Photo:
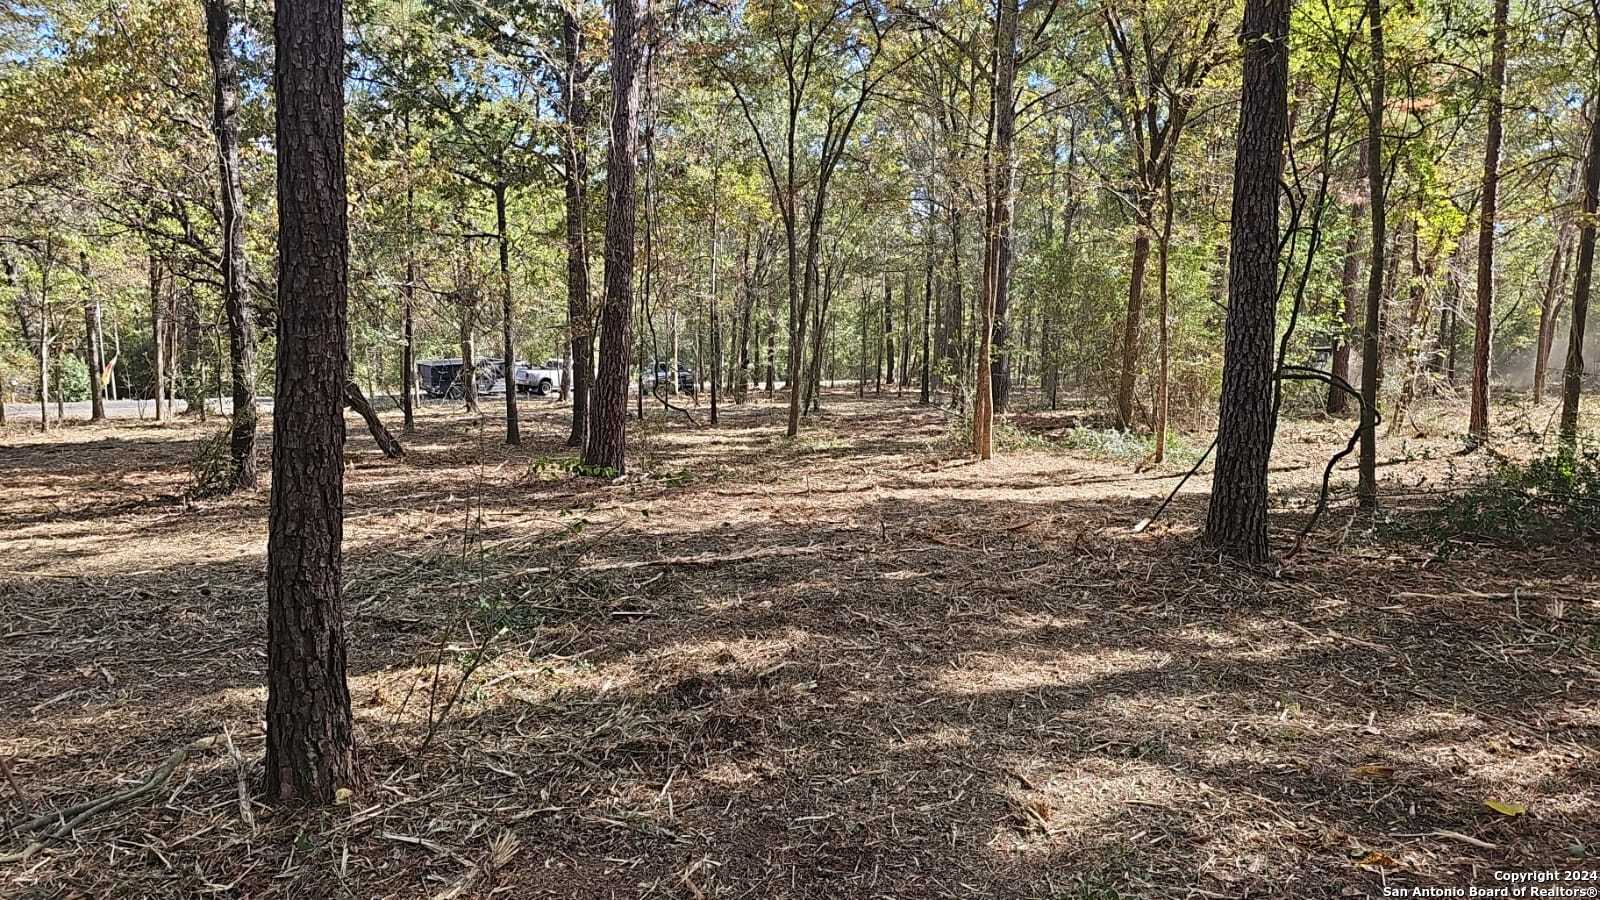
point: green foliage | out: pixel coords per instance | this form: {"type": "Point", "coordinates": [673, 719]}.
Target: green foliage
{"type": "Point", "coordinates": [70, 380]}
{"type": "Point", "coordinates": [1127, 446]}
{"type": "Point", "coordinates": [552, 468]}
{"type": "Point", "coordinates": [1552, 497]}
{"type": "Point", "coordinates": [1006, 435]}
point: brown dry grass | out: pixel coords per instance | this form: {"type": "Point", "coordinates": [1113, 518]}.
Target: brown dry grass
{"type": "Point", "coordinates": [858, 665]}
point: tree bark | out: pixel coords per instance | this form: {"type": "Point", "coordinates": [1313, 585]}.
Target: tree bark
{"type": "Point", "coordinates": [1572, 373]}
{"type": "Point", "coordinates": [1367, 480]}
{"type": "Point", "coordinates": [310, 744]}
{"type": "Point", "coordinates": [1550, 308]}
{"type": "Point", "coordinates": [507, 317]}
{"type": "Point", "coordinates": [1163, 326]}
{"type": "Point", "coordinates": [997, 234]}
{"type": "Point", "coordinates": [235, 267]}
{"type": "Point", "coordinates": [1482, 338]}
{"type": "Point", "coordinates": [408, 350]}
{"type": "Point", "coordinates": [93, 355]}
{"type": "Point", "coordinates": [607, 445]}
{"type": "Point", "coordinates": [356, 400]}
{"type": "Point", "coordinates": [1236, 523]}
{"type": "Point", "coordinates": [581, 339]}
{"type": "Point", "coordinates": [158, 342]}
{"type": "Point", "coordinates": [1350, 283]}
{"type": "Point", "coordinates": [926, 395]}
{"type": "Point", "coordinates": [44, 343]}
{"type": "Point", "coordinates": [1134, 315]}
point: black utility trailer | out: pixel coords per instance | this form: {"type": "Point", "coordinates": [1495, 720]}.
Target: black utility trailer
{"type": "Point", "coordinates": [442, 378]}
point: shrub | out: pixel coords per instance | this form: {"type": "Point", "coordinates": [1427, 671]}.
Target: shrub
{"type": "Point", "coordinates": [1550, 497]}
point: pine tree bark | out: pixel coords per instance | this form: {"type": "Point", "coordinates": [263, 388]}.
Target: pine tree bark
{"type": "Point", "coordinates": [235, 267]}
{"type": "Point", "coordinates": [1482, 339]}
{"type": "Point", "coordinates": [1236, 523]}
{"type": "Point", "coordinates": [576, 178]}
{"type": "Point", "coordinates": [1583, 276]}
{"type": "Point", "coordinates": [607, 444]}
{"type": "Point", "coordinates": [310, 744]}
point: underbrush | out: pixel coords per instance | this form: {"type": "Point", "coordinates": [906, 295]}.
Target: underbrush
{"type": "Point", "coordinates": [212, 472]}
{"type": "Point", "coordinates": [1549, 498]}
{"type": "Point", "coordinates": [1126, 446]}
{"type": "Point", "coordinates": [1007, 437]}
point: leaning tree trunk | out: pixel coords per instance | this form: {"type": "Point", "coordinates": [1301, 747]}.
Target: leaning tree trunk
{"type": "Point", "coordinates": [310, 744]}
{"type": "Point", "coordinates": [1572, 374]}
{"type": "Point", "coordinates": [356, 400]}
{"type": "Point", "coordinates": [241, 331]}
{"type": "Point", "coordinates": [581, 340]}
{"type": "Point", "coordinates": [608, 420]}
{"type": "Point", "coordinates": [1236, 523]}
{"type": "Point", "coordinates": [1478, 424]}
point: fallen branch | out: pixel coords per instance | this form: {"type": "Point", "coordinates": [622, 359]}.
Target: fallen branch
{"type": "Point", "coordinates": [82, 812]}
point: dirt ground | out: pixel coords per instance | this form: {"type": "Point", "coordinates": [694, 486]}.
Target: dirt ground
{"type": "Point", "coordinates": [857, 665]}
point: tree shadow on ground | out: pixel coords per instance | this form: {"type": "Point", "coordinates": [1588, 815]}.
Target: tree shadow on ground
{"type": "Point", "coordinates": [805, 678]}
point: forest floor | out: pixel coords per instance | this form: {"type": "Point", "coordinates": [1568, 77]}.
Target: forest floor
{"type": "Point", "coordinates": [858, 664]}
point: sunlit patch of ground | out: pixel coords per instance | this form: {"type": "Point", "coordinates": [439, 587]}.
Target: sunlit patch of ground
{"type": "Point", "coordinates": [858, 664]}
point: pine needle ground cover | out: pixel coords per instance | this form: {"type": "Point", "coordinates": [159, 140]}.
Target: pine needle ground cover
{"type": "Point", "coordinates": [852, 665]}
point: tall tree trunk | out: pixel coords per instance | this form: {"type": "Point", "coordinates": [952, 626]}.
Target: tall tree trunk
{"type": "Point", "coordinates": [310, 742]}
{"type": "Point", "coordinates": [954, 317]}
{"type": "Point", "coordinates": [716, 332]}
{"type": "Point", "coordinates": [408, 336]}
{"type": "Point", "coordinates": [1350, 295]}
{"type": "Point", "coordinates": [235, 267]}
{"type": "Point", "coordinates": [997, 235]}
{"type": "Point", "coordinates": [1163, 326]}
{"type": "Point", "coordinates": [1236, 523]}
{"type": "Point", "coordinates": [44, 342]}
{"type": "Point", "coordinates": [507, 317]}
{"type": "Point", "coordinates": [158, 331]}
{"type": "Point", "coordinates": [888, 334]}
{"type": "Point", "coordinates": [1367, 481]}
{"type": "Point", "coordinates": [1478, 425]}
{"type": "Point", "coordinates": [93, 355]}
{"type": "Point", "coordinates": [467, 310]}
{"type": "Point", "coordinates": [581, 339]}
{"type": "Point", "coordinates": [1143, 219]}
{"type": "Point", "coordinates": [1550, 308]}
{"type": "Point", "coordinates": [607, 444]}
{"type": "Point", "coordinates": [926, 395]}
{"type": "Point", "coordinates": [1572, 374]}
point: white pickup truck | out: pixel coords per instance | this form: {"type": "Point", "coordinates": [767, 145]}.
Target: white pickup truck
{"type": "Point", "coordinates": [539, 379]}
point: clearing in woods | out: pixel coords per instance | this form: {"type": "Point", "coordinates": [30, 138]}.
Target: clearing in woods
{"type": "Point", "coordinates": [857, 665]}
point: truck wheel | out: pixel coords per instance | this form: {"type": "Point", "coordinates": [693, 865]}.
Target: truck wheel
{"type": "Point", "coordinates": [544, 386]}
